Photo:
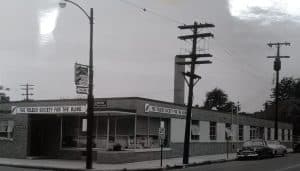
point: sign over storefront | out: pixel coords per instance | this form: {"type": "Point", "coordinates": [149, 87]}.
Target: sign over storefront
{"type": "Point", "coordinates": [158, 109]}
{"type": "Point", "coordinates": [49, 109]}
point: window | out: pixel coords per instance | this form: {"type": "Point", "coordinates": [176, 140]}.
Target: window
{"type": "Point", "coordinates": [228, 131]}
{"type": "Point", "coordinates": [252, 132]}
{"type": "Point", "coordinates": [269, 134]}
{"type": "Point", "coordinates": [195, 131]}
{"type": "Point", "coordinates": [6, 129]}
{"type": "Point", "coordinates": [260, 132]}
{"type": "Point", "coordinates": [282, 135]}
{"type": "Point", "coordinates": [241, 132]}
{"type": "Point", "coordinates": [289, 135]}
{"type": "Point", "coordinates": [212, 130]}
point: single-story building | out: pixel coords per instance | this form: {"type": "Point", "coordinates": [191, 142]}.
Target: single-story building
{"type": "Point", "coordinates": [57, 129]}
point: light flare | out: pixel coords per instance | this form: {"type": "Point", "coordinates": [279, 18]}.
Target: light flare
{"type": "Point", "coordinates": [47, 24]}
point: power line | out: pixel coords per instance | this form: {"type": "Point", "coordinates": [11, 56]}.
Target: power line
{"type": "Point", "coordinates": [28, 87]}
{"type": "Point", "coordinates": [143, 9]}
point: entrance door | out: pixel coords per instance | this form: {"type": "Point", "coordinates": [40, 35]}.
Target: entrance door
{"type": "Point", "coordinates": [44, 135]}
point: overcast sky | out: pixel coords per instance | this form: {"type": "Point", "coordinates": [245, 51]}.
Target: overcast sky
{"type": "Point", "coordinates": [134, 49]}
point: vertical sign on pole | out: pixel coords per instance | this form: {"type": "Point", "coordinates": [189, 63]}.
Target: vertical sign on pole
{"type": "Point", "coordinates": [81, 78]}
{"type": "Point", "coordinates": [162, 136]}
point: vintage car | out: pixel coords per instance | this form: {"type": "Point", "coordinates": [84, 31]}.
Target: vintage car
{"type": "Point", "coordinates": [277, 148]}
{"type": "Point", "coordinates": [255, 149]}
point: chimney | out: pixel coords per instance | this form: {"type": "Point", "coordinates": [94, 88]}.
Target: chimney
{"type": "Point", "coordinates": [179, 82]}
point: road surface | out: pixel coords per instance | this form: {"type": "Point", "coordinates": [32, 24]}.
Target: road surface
{"type": "Point", "coordinates": [291, 162]}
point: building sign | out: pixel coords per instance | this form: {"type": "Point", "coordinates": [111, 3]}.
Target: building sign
{"type": "Point", "coordinates": [100, 104]}
{"type": "Point", "coordinates": [157, 109]}
{"type": "Point", "coordinates": [49, 109]}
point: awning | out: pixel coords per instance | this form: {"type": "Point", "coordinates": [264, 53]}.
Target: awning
{"type": "Point", "coordinates": [115, 112]}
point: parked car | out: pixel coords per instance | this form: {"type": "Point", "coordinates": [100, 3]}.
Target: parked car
{"type": "Point", "coordinates": [255, 149]}
{"type": "Point", "coordinates": [277, 148]}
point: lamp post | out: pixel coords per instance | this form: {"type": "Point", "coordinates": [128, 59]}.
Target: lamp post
{"type": "Point", "coordinates": [90, 98]}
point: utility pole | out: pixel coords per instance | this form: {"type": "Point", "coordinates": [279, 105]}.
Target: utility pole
{"type": "Point", "coordinates": [277, 67]}
{"type": "Point", "coordinates": [28, 87]}
{"type": "Point", "coordinates": [192, 76]}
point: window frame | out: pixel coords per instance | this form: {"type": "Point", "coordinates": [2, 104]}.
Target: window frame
{"type": "Point", "coordinates": [282, 134]}
{"type": "Point", "coordinates": [195, 137]}
{"type": "Point", "coordinates": [213, 130]}
{"type": "Point", "coordinates": [253, 130]}
{"type": "Point", "coordinates": [7, 129]}
{"type": "Point", "coordinates": [241, 132]}
{"type": "Point", "coordinates": [268, 133]}
{"type": "Point", "coordinates": [228, 126]}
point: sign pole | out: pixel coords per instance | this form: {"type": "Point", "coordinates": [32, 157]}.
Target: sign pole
{"type": "Point", "coordinates": [161, 153]}
{"type": "Point", "coordinates": [162, 135]}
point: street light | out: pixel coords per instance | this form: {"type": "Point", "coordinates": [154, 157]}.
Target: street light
{"type": "Point", "coordinates": [90, 98]}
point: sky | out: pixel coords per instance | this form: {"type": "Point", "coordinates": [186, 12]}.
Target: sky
{"type": "Point", "coordinates": [134, 49]}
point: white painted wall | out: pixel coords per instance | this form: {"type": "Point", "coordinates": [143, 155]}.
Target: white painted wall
{"type": "Point", "coordinates": [177, 130]}
{"type": "Point", "coordinates": [221, 132]}
{"type": "Point", "coordinates": [204, 131]}
{"type": "Point", "coordinates": [272, 133]}
{"type": "Point", "coordinates": [246, 132]}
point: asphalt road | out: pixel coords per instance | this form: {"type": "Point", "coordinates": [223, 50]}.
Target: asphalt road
{"type": "Point", "coordinates": [291, 162]}
{"type": "Point", "coordinates": [5, 168]}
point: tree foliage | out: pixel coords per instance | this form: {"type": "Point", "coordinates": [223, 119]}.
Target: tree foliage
{"type": "Point", "coordinates": [218, 99]}
{"type": "Point", "coordinates": [288, 88]}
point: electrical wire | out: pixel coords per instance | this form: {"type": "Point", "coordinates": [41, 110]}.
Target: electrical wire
{"type": "Point", "coordinates": [147, 10]}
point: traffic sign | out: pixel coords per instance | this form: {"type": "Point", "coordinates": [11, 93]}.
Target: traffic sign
{"type": "Point", "coordinates": [162, 133]}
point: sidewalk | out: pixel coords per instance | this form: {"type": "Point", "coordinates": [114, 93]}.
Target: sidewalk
{"type": "Point", "coordinates": [57, 164]}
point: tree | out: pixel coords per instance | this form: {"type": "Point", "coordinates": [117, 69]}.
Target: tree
{"type": "Point", "coordinates": [3, 98]}
{"type": "Point", "coordinates": [286, 89]}
{"type": "Point", "coordinates": [218, 99]}
{"type": "Point", "coordinates": [229, 107]}
{"type": "Point", "coordinates": [215, 98]}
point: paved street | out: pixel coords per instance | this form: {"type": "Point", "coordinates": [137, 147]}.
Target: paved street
{"type": "Point", "coordinates": [4, 168]}
{"type": "Point", "coordinates": [289, 163]}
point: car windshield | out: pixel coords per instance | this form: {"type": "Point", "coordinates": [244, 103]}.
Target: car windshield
{"type": "Point", "coordinates": [253, 143]}
{"type": "Point", "coordinates": [273, 142]}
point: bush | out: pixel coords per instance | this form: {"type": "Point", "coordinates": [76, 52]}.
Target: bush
{"type": "Point", "coordinates": [117, 147]}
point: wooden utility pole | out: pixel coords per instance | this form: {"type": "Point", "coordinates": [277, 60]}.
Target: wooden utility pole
{"type": "Point", "coordinates": [277, 67]}
{"type": "Point", "coordinates": [27, 88]}
{"type": "Point", "coordinates": [192, 76]}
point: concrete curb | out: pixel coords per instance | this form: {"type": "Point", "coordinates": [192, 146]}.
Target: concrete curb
{"type": "Point", "coordinates": [41, 167]}
{"type": "Point", "coordinates": [168, 167]}
{"type": "Point", "coordinates": [200, 163]}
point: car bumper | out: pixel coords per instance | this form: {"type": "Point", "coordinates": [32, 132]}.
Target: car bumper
{"type": "Point", "coordinates": [246, 155]}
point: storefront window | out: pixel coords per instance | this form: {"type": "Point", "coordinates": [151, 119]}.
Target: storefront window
{"type": "Point", "coordinates": [241, 132]}
{"type": "Point", "coordinates": [228, 131]}
{"type": "Point", "coordinates": [282, 135]}
{"type": "Point", "coordinates": [213, 130]}
{"type": "Point", "coordinates": [195, 131]}
{"type": "Point", "coordinates": [73, 132]}
{"type": "Point", "coordinates": [253, 132]}
{"type": "Point", "coordinates": [6, 129]}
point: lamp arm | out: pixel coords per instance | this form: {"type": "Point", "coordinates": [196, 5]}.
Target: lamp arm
{"type": "Point", "coordinates": [85, 13]}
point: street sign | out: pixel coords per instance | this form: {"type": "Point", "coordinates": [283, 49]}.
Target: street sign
{"type": "Point", "coordinates": [81, 78]}
{"type": "Point", "coordinates": [81, 75]}
{"type": "Point", "coordinates": [81, 90]}
{"type": "Point", "coordinates": [100, 104]}
{"type": "Point", "coordinates": [162, 133]}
